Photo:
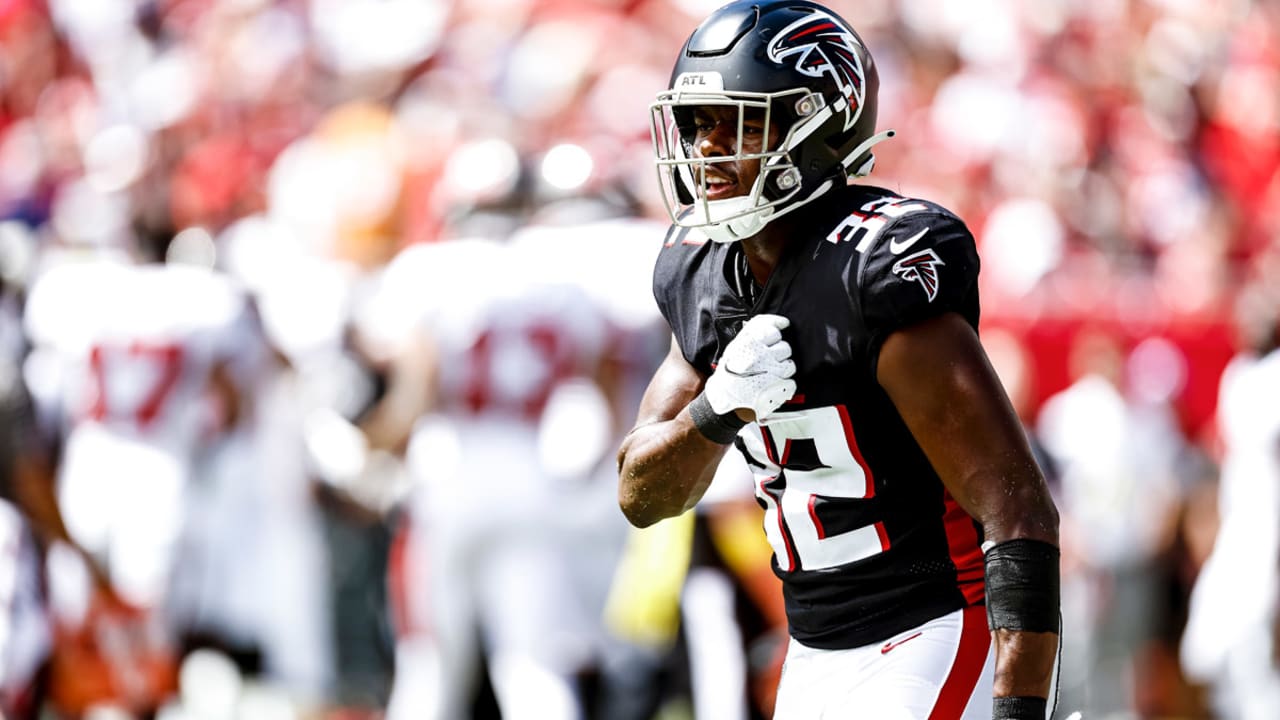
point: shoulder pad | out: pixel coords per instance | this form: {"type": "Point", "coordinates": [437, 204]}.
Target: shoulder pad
{"type": "Point", "coordinates": [920, 264]}
{"type": "Point", "coordinates": [685, 236]}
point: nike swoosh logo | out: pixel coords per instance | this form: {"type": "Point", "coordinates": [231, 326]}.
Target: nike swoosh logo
{"type": "Point", "coordinates": [884, 650]}
{"type": "Point", "coordinates": [896, 247]}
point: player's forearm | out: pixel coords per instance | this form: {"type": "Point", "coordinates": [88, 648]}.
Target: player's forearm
{"type": "Point", "coordinates": [1023, 600]}
{"type": "Point", "coordinates": [1024, 663]}
{"type": "Point", "coordinates": [664, 468]}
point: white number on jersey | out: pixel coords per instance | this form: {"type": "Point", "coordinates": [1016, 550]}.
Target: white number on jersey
{"type": "Point", "coordinates": [791, 487]}
{"type": "Point", "coordinates": [866, 222]}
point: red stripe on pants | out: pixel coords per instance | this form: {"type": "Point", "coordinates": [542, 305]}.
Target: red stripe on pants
{"type": "Point", "coordinates": [975, 642]}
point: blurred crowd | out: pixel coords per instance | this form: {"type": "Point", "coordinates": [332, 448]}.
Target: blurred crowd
{"type": "Point", "coordinates": [320, 321]}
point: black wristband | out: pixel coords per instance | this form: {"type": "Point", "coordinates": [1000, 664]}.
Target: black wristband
{"type": "Point", "coordinates": [721, 429]}
{"type": "Point", "coordinates": [1019, 708]}
{"type": "Point", "coordinates": [1023, 586]}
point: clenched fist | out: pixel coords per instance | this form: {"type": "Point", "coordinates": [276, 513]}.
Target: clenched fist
{"type": "Point", "coordinates": [755, 371]}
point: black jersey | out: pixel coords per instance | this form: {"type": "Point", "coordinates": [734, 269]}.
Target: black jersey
{"type": "Point", "coordinates": [866, 539]}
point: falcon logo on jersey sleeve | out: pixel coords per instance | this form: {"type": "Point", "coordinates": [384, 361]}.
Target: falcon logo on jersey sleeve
{"type": "Point", "coordinates": [823, 46]}
{"type": "Point", "coordinates": [921, 267]}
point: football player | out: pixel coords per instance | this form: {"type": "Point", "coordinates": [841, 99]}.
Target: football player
{"type": "Point", "coordinates": [146, 365]}
{"type": "Point", "coordinates": [1231, 643]}
{"type": "Point", "coordinates": [496, 399]}
{"type": "Point", "coordinates": [837, 349]}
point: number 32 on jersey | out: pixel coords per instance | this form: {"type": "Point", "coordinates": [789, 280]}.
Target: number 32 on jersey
{"type": "Point", "coordinates": [802, 461]}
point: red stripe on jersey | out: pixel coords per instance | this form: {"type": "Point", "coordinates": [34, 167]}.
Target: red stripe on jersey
{"type": "Point", "coordinates": [883, 535]}
{"type": "Point", "coordinates": [771, 452]}
{"type": "Point", "coordinates": [966, 668]}
{"type": "Point", "coordinates": [813, 515]}
{"type": "Point", "coordinates": [671, 240]}
{"type": "Point", "coordinates": [98, 410]}
{"type": "Point", "coordinates": [857, 454]}
{"type": "Point", "coordinates": [965, 550]}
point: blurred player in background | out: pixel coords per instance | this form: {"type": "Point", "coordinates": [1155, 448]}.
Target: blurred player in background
{"type": "Point", "coordinates": [1118, 456]}
{"type": "Point", "coordinates": [143, 364]}
{"type": "Point", "coordinates": [1232, 638]}
{"type": "Point", "coordinates": [732, 608]}
{"type": "Point", "coordinates": [836, 347]}
{"type": "Point", "coordinates": [504, 396]}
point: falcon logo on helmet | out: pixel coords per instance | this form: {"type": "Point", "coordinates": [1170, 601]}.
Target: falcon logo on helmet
{"type": "Point", "coordinates": [922, 267]}
{"type": "Point", "coordinates": [823, 46]}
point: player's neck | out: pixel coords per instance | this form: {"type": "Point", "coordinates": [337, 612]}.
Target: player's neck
{"type": "Point", "coordinates": [762, 252]}
{"type": "Point", "coordinates": [764, 249]}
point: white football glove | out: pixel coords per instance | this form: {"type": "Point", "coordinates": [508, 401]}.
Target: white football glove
{"type": "Point", "coordinates": [755, 371]}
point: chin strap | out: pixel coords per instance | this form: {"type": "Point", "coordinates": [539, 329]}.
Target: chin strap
{"type": "Point", "coordinates": [744, 226]}
{"type": "Point", "coordinates": [865, 168]}
{"type": "Point", "coordinates": [750, 224]}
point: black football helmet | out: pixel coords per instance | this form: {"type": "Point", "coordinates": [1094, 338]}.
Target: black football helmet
{"type": "Point", "coordinates": [809, 74]}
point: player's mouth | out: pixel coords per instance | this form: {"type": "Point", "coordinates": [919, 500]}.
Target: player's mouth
{"type": "Point", "coordinates": [720, 186]}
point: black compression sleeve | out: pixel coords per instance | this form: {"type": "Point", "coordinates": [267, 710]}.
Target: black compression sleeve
{"type": "Point", "coordinates": [1023, 586]}
{"type": "Point", "coordinates": [1019, 708]}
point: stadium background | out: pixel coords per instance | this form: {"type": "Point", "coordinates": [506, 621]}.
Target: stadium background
{"type": "Point", "coordinates": [1117, 160]}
